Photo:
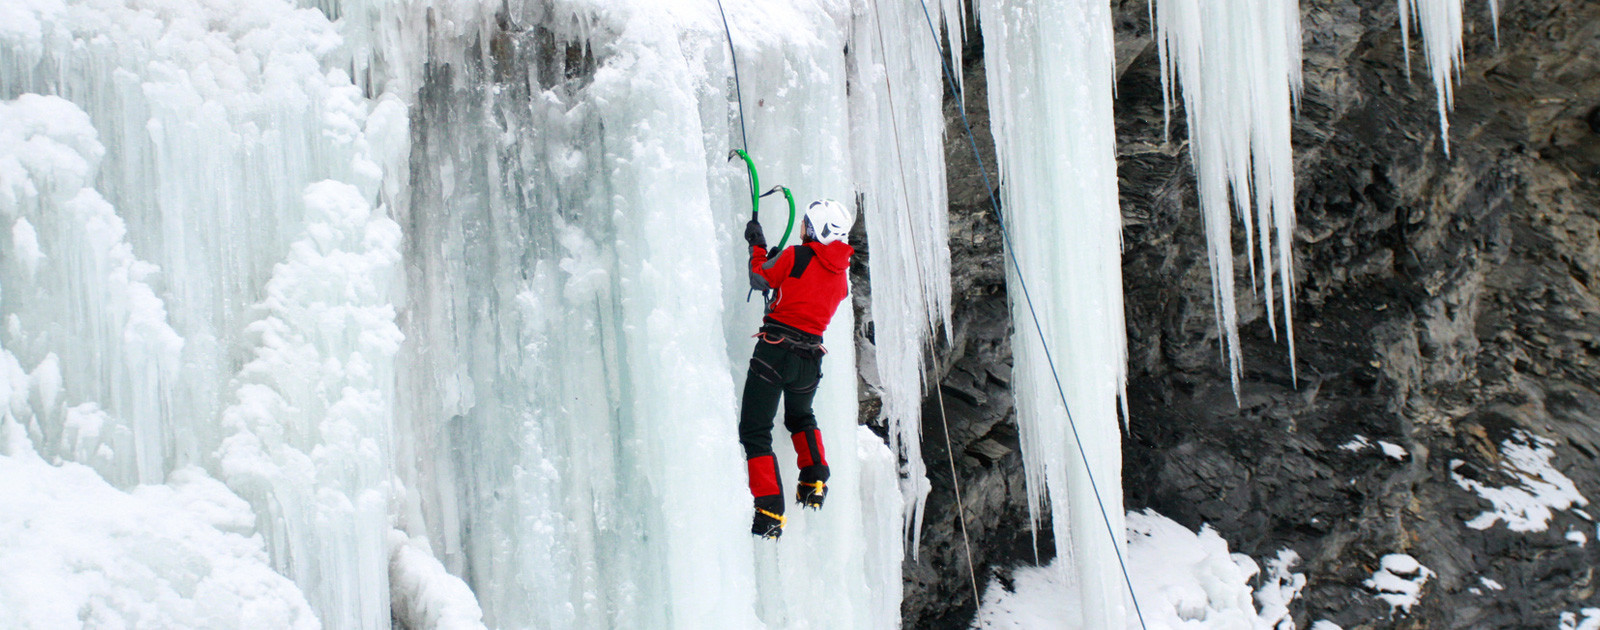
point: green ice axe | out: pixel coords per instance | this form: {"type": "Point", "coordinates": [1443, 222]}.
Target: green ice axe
{"type": "Point", "coordinates": [790, 196]}
{"type": "Point", "coordinates": [755, 180]}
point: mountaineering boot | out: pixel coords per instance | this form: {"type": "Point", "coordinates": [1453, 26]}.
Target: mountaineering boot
{"type": "Point", "coordinates": [768, 493]}
{"type": "Point", "coordinates": [813, 486]}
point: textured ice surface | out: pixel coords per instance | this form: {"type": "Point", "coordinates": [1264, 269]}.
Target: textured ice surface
{"type": "Point", "coordinates": [1050, 81]}
{"type": "Point", "coordinates": [897, 146]}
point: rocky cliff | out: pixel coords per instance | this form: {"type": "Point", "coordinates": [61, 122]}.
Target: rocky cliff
{"type": "Point", "coordinates": [1447, 305]}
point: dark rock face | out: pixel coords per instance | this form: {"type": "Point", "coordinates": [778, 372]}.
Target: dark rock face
{"type": "Point", "coordinates": [1445, 304]}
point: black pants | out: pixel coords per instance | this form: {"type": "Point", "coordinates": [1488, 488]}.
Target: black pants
{"type": "Point", "coordinates": [775, 372]}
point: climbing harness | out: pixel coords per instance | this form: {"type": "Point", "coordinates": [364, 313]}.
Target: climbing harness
{"type": "Point", "coordinates": [798, 342]}
{"type": "Point", "coordinates": [1005, 234]}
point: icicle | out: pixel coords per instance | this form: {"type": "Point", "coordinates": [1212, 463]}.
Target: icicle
{"type": "Point", "coordinates": [897, 146]}
{"type": "Point", "coordinates": [1050, 71]}
{"type": "Point", "coordinates": [1239, 67]}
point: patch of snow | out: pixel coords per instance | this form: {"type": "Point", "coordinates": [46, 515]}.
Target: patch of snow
{"type": "Point", "coordinates": [1356, 443]}
{"type": "Point", "coordinates": [1183, 579]}
{"type": "Point", "coordinates": [1578, 537]}
{"type": "Point", "coordinates": [1325, 625]}
{"type": "Point", "coordinates": [1590, 621]}
{"type": "Point", "coordinates": [77, 552]}
{"type": "Point", "coordinates": [1392, 450]}
{"type": "Point", "coordinates": [1491, 584]}
{"type": "Point", "coordinates": [1540, 488]}
{"type": "Point", "coordinates": [1399, 581]}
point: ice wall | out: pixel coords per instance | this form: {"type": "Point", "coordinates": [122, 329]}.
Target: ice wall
{"type": "Point", "coordinates": [1050, 73]}
{"type": "Point", "coordinates": [75, 550]}
{"type": "Point", "coordinates": [1238, 64]}
{"type": "Point", "coordinates": [577, 299]}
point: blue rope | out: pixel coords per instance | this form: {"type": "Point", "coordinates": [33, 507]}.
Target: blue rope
{"type": "Point", "coordinates": [1005, 234]}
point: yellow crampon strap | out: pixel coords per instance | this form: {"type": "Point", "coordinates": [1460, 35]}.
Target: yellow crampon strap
{"type": "Point", "coordinates": [781, 522]}
{"type": "Point", "coordinates": [820, 486]}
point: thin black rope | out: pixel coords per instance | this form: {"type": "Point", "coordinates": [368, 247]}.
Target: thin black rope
{"type": "Point", "coordinates": [744, 137]}
{"type": "Point", "coordinates": [1005, 234]}
{"type": "Point", "coordinates": [905, 195]}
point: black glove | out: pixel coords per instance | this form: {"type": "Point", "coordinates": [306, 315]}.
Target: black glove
{"type": "Point", "coordinates": [753, 234]}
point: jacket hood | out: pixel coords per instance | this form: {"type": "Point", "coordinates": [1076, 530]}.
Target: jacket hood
{"type": "Point", "coordinates": [834, 256]}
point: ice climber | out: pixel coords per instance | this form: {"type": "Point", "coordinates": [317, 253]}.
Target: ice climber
{"type": "Point", "coordinates": [808, 282]}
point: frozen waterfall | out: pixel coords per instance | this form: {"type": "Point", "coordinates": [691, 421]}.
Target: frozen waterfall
{"type": "Point", "coordinates": [452, 298]}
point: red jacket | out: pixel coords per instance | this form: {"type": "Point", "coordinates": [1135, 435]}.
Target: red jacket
{"type": "Point", "coordinates": [808, 291]}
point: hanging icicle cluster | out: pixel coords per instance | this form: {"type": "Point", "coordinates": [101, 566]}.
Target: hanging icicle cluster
{"type": "Point", "coordinates": [1441, 26]}
{"type": "Point", "coordinates": [1239, 66]}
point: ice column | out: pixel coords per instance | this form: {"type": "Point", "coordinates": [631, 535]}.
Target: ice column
{"type": "Point", "coordinates": [897, 145]}
{"type": "Point", "coordinates": [1050, 69]}
{"type": "Point", "coordinates": [1239, 66]}
{"type": "Point", "coordinates": [1441, 25]}
{"type": "Point", "coordinates": [78, 303]}
{"type": "Point", "coordinates": [311, 443]}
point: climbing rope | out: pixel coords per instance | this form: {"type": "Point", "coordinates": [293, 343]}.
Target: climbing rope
{"type": "Point", "coordinates": [1005, 233]}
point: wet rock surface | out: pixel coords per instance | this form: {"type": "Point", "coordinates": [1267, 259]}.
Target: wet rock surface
{"type": "Point", "coordinates": [1446, 305]}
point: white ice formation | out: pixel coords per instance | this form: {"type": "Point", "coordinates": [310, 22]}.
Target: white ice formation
{"type": "Point", "coordinates": [897, 148]}
{"type": "Point", "coordinates": [1238, 64]}
{"type": "Point", "coordinates": [1050, 68]}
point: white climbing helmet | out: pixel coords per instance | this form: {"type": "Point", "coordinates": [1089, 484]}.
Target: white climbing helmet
{"type": "Point", "coordinates": [828, 221]}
